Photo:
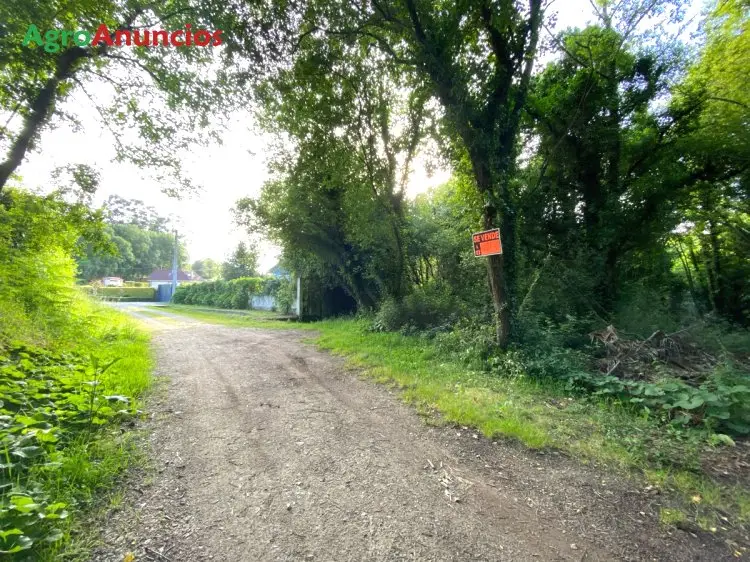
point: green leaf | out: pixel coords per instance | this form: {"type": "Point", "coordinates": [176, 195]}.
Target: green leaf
{"type": "Point", "coordinates": [691, 403]}
{"type": "Point", "coordinates": [653, 390]}
{"type": "Point", "coordinates": [53, 536]}
{"type": "Point", "coordinates": [742, 428]}
{"type": "Point", "coordinates": [10, 533]}
{"type": "Point", "coordinates": [27, 452]}
{"type": "Point", "coordinates": [24, 504]}
{"type": "Point", "coordinates": [722, 439]}
{"type": "Point", "coordinates": [22, 542]}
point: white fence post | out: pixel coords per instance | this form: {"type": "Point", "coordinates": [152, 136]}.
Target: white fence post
{"type": "Point", "coordinates": [299, 297]}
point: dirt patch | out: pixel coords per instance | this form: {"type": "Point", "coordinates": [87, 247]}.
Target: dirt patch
{"type": "Point", "coordinates": [266, 449]}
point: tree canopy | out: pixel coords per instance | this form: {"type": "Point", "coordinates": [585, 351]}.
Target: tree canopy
{"type": "Point", "coordinates": [154, 101]}
{"type": "Point", "coordinates": [595, 163]}
{"type": "Point", "coordinates": [242, 263]}
{"type": "Point", "coordinates": [207, 268]}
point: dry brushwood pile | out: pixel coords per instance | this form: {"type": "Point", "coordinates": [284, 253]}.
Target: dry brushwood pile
{"type": "Point", "coordinates": [675, 355]}
{"type": "Point", "coordinates": [674, 376]}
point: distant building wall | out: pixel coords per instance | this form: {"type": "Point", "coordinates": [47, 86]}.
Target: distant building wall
{"type": "Point", "coordinates": [263, 302]}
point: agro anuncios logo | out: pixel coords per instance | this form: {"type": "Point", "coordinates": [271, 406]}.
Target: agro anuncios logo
{"type": "Point", "coordinates": [54, 39]}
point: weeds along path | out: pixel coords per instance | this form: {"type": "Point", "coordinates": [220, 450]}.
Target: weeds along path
{"type": "Point", "coordinates": [266, 449]}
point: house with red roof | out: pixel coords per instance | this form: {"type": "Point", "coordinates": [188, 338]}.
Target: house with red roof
{"type": "Point", "coordinates": [164, 277]}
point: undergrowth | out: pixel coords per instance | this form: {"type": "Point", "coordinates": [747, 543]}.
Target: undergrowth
{"type": "Point", "coordinates": [71, 372]}
{"type": "Point", "coordinates": [63, 401]}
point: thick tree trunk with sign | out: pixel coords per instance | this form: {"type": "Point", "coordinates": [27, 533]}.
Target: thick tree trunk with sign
{"type": "Point", "coordinates": [485, 117]}
{"type": "Point", "coordinates": [497, 279]}
{"type": "Point", "coordinates": [500, 268]}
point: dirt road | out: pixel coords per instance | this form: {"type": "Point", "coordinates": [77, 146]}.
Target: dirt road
{"type": "Point", "coordinates": [266, 449]}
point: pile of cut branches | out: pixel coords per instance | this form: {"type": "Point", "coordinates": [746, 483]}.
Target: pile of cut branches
{"type": "Point", "coordinates": [636, 359]}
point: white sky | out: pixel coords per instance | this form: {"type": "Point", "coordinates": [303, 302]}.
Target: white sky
{"type": "Point", "coordinates": [235, 169]}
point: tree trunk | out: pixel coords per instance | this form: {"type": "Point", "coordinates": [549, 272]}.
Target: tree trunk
{"type": "Point", "coordinates": [719, 288]}
{"type": "Point", "coordinates": [40, 109]}
{"type": "Point", "coordinates": [398, 289]}
{"type": "Point", "coordinates": [496, 265]}
{"type": "Point", "coordinates": [689, 277]}
{"type": "Point", "coordinates": [496, 274]}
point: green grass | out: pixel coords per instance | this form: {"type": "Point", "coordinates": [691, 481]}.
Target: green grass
{"type": "Point", "coordinates": [152, 314]}
{"type": "Point", "coordinates": [140, 293]}
{"type": "Point", "coordinates": [244, 318]}
{"type": "Point", "coordinates": [538, 414]}
{"type": "Point", "coordinates": [80, 470]}
{"type": "Point", "coordinates": [671, 516]}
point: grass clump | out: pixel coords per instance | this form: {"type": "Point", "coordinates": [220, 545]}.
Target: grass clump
{"type": "Point", "coordinates": [671, 516]}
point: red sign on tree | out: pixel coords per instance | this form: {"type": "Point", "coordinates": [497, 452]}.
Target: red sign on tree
{"type": "Point", "coordinates": [487, 243]}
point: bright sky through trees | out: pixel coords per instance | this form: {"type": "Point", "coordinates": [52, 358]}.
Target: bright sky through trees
{"type": "Point", "coordinates": [226, 173]}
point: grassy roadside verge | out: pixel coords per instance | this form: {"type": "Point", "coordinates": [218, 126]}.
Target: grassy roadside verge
{"type": "Point", "coordinates": [538, 414]}
{"type": "Point", "coordinates": [244, 318]}
{"type": "Point", "coordinates": [67, 399]}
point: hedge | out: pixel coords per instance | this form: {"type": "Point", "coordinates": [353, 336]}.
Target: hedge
{"type": "Point", "coordinates": [234, 294]}
{"type": "Point", "coordinates": [132, 294]}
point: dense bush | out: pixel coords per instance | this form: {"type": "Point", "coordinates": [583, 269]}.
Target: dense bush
{"type": "Point", "coordinates": [271, 286]}
{"type": "Point", "coordinates": [556, 352]}
{"type": "Point", "coordinates": [429, 307]}
{"type": "Point", "coordinates": [133, 294]}
{"type": "Point", "coordinates": [473, 343]}
{"type": "Point", "coordinates": [722, 402]}
{"type": "Point", "coordinates": [49, 400]}
{"type": "Point", "coordinates": [285, 293]}
{"type": "Point", "coordinates": [234, 294]}
{"type": "Point", "coordinates": [36, 277]}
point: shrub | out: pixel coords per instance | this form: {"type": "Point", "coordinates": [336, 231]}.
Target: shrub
{"type": "Point", "coordinates": [70, 371]}
{"type": "Point", "coordinates": [390, 317]}
{"type": "Point", "coordinates": [234, 294]}
{"type": "Point", "coordinates": [432, 306]}
{"type": "Point", "coordinates": [38, 236]}
{"type": "Point", "coordinates": [722, 402]}
{"type": "Point", "coordinates": [285, 295]}
{"type": "Point", "coordinates": [473, 343]}
{"type": "Point", "coordinates": [271, 285]}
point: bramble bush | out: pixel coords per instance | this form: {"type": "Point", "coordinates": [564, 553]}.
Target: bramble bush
{"type": "Point", "coordinates": [721, 403]}
{"type": "Point", "coordinates": [557, 352]}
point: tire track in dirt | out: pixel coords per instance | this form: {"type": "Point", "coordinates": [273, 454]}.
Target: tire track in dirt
{"type": "Point", "coordinates": [266, 449]}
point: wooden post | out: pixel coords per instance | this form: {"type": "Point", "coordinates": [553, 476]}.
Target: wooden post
{"type": "Point", "coordinates": [299, 297]}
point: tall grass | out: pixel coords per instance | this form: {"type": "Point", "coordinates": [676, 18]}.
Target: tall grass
{"type": "Point", "coordinates": [83, 412]}
{"type": "Point", "coordinates": [71, 372]}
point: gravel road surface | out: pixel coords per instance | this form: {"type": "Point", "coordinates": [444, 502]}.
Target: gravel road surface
{"type": "Point", "coordinates": [264, 448]}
